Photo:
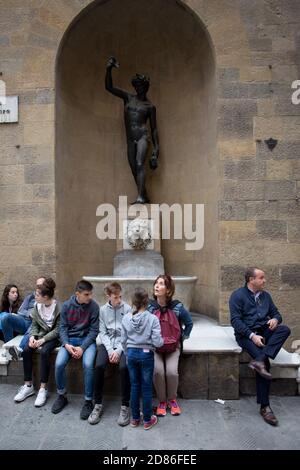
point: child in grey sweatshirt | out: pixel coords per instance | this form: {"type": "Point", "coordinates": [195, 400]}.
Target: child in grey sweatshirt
{"type": "Point", "coordinates": [140, 336]}
{"type": "Point", "coordinates": [110, 352]}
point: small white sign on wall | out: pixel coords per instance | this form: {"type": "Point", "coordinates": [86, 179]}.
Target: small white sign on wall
{"type": "Point", "coordinates": [9, 109]}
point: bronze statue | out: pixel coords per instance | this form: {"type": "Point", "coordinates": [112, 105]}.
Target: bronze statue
{"type": "Point", "coordinates": [137, 110]}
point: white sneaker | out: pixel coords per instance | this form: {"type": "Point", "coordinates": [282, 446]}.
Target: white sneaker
{"type": "Point", "coordinates": [41, 397]}
{"type": "Point", "coordinates": [124, 417]}
{"type": "Point", "coordinates": [3, 352]}
{"type": "Point", "coordinates": [95, 415]}
{"type": "Point", "coordinates": [4, 359]}
{"type": "Point", "coordinates": [24, 392]}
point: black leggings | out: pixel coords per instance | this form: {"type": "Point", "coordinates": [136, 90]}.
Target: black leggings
{"type": "Point", "coordinates": [101, 362]}
{"type": "Point", "coordinates": [45, 352]}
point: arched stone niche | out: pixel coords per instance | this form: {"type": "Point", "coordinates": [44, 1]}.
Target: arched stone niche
{"type": "Point", "coordinates": [167, 41]}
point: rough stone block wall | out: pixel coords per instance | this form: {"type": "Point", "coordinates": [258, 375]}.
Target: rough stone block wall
{"type": "Point", "coordinates": [256, 46]}
{"type": "Point", "coordinates": [28, 45]}
{"type": "Point", "coordinates": [259, 205]}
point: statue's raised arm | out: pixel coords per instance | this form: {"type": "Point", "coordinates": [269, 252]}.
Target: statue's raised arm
{"type": "Point", "coordinates": [138, 112]}
{"type": "Point", "coordinates": [113, 63]}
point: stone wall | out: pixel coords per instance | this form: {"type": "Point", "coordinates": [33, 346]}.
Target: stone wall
{"type": "Point", "coordinates": [259, 204]}
{"type": "Point", "coordinates": [254, 213]}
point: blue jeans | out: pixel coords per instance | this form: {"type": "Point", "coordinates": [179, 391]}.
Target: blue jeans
{"type": "Point", "coordinates": [1, 316]}
{"type": "Point", "coordinates": [25, 340]}
{"type": "Point", "coordinates": [88, 359]}
{"type": "Point", "coordinates": [11, 322]}
{"type": "Point", "coordinates": [141, 367]}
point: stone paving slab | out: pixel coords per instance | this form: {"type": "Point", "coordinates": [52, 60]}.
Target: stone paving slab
{"type": "Point", "coordinates": [204, 424]}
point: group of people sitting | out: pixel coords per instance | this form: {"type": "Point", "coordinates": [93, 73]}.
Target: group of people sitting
{"type": "Point", "coordinates": [144, 340]}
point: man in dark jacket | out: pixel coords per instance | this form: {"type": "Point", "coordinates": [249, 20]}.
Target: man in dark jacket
{"type": "Point", "coordinates": [79, 326]}
{"type": "Point", "coordinates": [258, 329]}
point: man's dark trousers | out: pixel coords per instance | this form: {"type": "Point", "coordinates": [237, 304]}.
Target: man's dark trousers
{"type": "Point", "coordinates": [274, 341]}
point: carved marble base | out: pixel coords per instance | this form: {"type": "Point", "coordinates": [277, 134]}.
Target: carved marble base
{"type": "Point", "coordinates": [138, 263]}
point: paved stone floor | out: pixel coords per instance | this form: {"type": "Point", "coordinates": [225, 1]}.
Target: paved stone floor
{"type": "Point", "coordinates": [203, 425]}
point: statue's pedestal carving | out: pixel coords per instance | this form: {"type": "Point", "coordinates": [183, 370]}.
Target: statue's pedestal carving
{"type": "Point", "coordinates": [136, 223]}
{"type": "Point", "coordinates": [138, 263]}
{"type": "Point", "coordinates": [138, 252]}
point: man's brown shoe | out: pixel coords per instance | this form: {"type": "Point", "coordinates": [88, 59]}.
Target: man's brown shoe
{"type": "Point", "coordinates": [269, 416]}
{"type": "Point", "coordinates": [260, 368]}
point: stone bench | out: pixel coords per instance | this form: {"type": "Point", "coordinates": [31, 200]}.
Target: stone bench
{"type": "Point", "coordinates": [211, 366]}
{"type": "Point", "coordinates": [208, 367]}
{"type": "Point", "coordinates": [12, 371]}
{"type": "Point", "coordinates": [216, 339]}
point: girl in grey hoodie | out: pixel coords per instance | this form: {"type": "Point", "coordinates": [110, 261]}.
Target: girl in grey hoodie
{"type": "Point", "coordinates": [140, 336]}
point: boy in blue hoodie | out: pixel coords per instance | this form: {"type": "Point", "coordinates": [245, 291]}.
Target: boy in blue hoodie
{"type": "Point", "coordinates": [79, 327]}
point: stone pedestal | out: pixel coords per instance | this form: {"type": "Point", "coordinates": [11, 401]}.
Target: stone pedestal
{"type": "Point", "coordinates": [139, 263]}
{"type": "Point", "coordinates": [140, 267]}
{"type": "Point", "coordinates": [138, 245]}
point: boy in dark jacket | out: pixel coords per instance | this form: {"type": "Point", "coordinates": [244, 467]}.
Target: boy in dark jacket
{"type": "Point", "coordinates": [79, 327]}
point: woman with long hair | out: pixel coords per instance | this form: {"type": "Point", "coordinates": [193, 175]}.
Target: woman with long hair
{"type": "Point", "coordinates": [176, 325]}
{"type": "Point", "coordinates": [10, 301]}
